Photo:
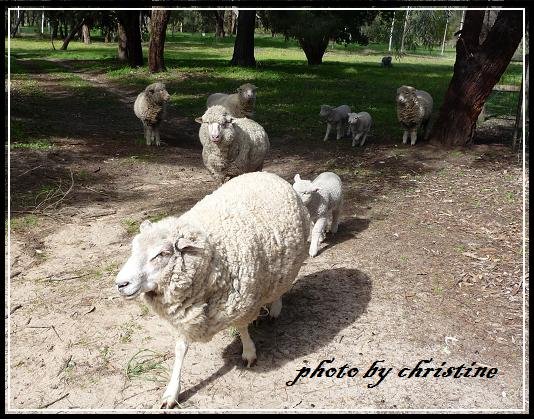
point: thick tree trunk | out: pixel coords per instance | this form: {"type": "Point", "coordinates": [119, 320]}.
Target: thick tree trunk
{"type": "Point", "coordinates": [122, 50]}
{"type": "Point", "coordinates": [219, 23]}
{"type": "Point", "coordinates": [130, 21]}
{"type": "Point", "coordinates": [477, 69]}
{"type": "Point", "coordinates": [72, 34]}
{"type": "Point", "coordinates": [158, 26]}
{"type": "Point", "coordinates": [17, 23]}
{"type": "Point", "coordinates": [314, 50]}
{"type": "Point", "coordinates": [86, 33]}
{"type": "Point", "coordinates": [244, 41]}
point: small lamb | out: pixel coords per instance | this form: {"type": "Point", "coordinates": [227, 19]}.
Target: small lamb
{"type": "Point", "coordinates": [231, 146]}
{"type": "Point", "coordinates": [323, 197]}
{"type": "Point", "coordinates": [414, 108]}
{"type": "Point", "coordinates": [360, 124]}
{"type": "Point", "coordinates": [386, 61]}
{"type": "Point", "coordinates": [240, 104]}
{"type": "Point", "coordinates": [237, 250]}
{"type": "Point", "coordinates": [150, 107]}
{"type": "Point", "coordinates": [335, 116]}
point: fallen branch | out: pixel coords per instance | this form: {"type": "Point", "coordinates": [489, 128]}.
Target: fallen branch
{"type": "Point", "coordinates": [44, 406]}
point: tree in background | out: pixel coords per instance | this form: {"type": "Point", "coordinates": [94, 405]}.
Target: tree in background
{"type": "Point", "coordinates": [130, 37]}
{"type": "Point", "coordinates": [158, 27]}
{"type": "Point", "coordinates": [480, 63]}
{"type": "Point", "coordinates": [313, 29]}
{"type": "Point", "coordinates": [244, 41]}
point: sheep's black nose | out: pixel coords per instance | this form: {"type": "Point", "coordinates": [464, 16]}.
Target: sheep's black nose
{"type": "Point", "coordinates": [122, 284]}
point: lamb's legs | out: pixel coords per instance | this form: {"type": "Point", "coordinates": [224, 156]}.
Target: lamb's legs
{"type": "Point", "coordinates": [339, 134]}
{"type": "Point", "coordinates": [405, 137]}
{"type": "Point", "coordinates": [356, 138]}
{"type": "Point", "coordinates": [318, 229]}
{"type": "Point", "coordinates": [249, 349]}
{"type": "Point", "coordinates": [328, 129]}
{"type": "Point", "coordinates": [413, 136]}
{"type": "Point", "coordinates": [276, 308]}
{"type": "Point", "coordinates": [362, 142]}
{"type": "Point", "coordinates": [156, 136]}
{"type": "Point", "coordinates": [170, 397]}
{"type": "Point", "coordinates": [146, 129]}
{"type": "Point", "coordinates": [335, 219]}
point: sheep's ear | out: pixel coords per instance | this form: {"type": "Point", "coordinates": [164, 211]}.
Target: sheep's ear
{"type": "Point", "coordinates": [297, 178]}
{"type": "Point", "coordinates": [145, 225]}
{"type": "Point", "coordinates": [199, 120]}
{"type": "Point", "coordinates": [183, 245]}
{"type": "Point", "coordinates": [229, 119]}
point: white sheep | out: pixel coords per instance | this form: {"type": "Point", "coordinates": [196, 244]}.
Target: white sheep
{"type": "Point", "coordinates": [150, 107]}
{"type": "Point", "coordinates": [240, 104]}
{"type": "Point", "coordinates": [238, 249]}
{"type": "Point", "coordinates": [414, 108]}
{"type": "Point", "coordinates": [360, 124]}
{"type": "Point", "coordinates": [231, 146]}
{"type": "Point", "coordinates": [323, 198]}
{"type": "Point", "coordinates": [335, 116]}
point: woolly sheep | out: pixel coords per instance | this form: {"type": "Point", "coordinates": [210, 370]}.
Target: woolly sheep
{"type": "Point", "coordinates": [414, 108]}
{"type": "Point", "coordinates": [335, 116]}
{"type": "Point", "coordinates": [323, 198]}
{"type": "Point", "coordinates": [150, 107]}
{"type": "Point", "coordinates": [360, 124]}
{"type": "Point", "coordinates": [240, 104]}
{"type": "Point", "coordinates": [231, 146]}
{"type": "Point", "coordinates": [237, 250]}
{"type": "Point", "coordinates": [386, 61]}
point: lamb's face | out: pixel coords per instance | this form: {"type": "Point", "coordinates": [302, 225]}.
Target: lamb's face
{"type": "Point", "coordinates": [405, 93]}
{"type": "Point", "coordinates": [219, 124]}
{"type": "Point", "coordinates": [353, 118]}
{"type": "Point", "coordinates": [304, 189]}
{"type": "Point", "coordinates": [247, 92]}
{"type": "Point", "coordinates": [325, 111]}
{"type": "Point", "coordinates": [155, 252]}
{"type": "Point", "coordinates": [158, 92]}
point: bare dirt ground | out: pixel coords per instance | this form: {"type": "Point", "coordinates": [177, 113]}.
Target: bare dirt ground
{"type": "Point", "coordinates": [427, 263]}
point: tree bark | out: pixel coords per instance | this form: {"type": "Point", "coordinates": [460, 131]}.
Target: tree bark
{"type": "Point", "coordinates": [158, 26]}
{"type": "Point", "coordinates": [314, 50]}
{"type": "Point", "coordinates": [129, 20]}
{"type": "Point", "coordinates": [122, 50]}
{"type": "Point", "coordinates": [17, 23]}
{"type": "Point", "coordinates": [86, 33]}
{"type": "Point", "coordinates": [244, 41]}
{"type": "Point", "coordinates": [219, 23]}
{"type": "Point", "coordinates": [72, 34]}
{"type": "Point", "coordinates": [477, 69]}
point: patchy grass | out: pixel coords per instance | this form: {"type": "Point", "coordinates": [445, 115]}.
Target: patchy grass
{"type": "Point", "coordinates": [127, 330]}
{"type": "Point", "coordinates": [20, 224]}
{"type": "Point", "coordinates": [147, 365]}
{"type": "Point", "coordinates": [131, 226]}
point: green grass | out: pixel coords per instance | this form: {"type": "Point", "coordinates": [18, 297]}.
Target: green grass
{"type": "Point", "coordinates": [147, 365]}
{"type": "Point", "coordinates": [22, 223]}
{"type": "Point", "coordinates": [289, 91]}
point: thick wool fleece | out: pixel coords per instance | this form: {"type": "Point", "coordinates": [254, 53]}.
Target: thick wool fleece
{"type": "Point", "coordinates": [416, 110]}
{"type": "Point", "coordinates": [252, 231]}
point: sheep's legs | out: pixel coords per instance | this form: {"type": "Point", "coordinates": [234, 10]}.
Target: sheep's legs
{"type": "Point", "coordinates": [148, 134]}
{"type": "Point", "coordinates": [356, 139]}
{"type": "Point", "coordinates": [249, 349]}
{"type": "Point", "coordinates": [328, 129]}
{"type": "Point", "coordinates": [317, 232]}
{"type": "Point", "coordinates": [405, 137]}
{"type": "Point", "coordinates": [339, 134]}
{"type": "Point", "coordinates": [413, 136]}
{"type": "Point", "coordinates": [362, 142]}
{"type": "Point", "coordinates": [170, 397]}
{"type": "Point", "coordinates": [156, 136]}
{"type": "Point", "coordinates": [335, 219]}
{"type": "Point", "coordinates": [276, 309]}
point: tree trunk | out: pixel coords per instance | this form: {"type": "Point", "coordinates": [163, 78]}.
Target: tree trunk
{"type": "Point", "coordinates": [477, 69]}
{"type": "Point", "coordinates": [17, 23]}
{"type": "Point", "coordinates": [219, 23]}
{"type": "Point", "coordinates": [86, 33]}
{"type": "Point", "coordinates": [122, 50]}
{"type": "Point", "coordinates": [72, 34]}
{"type": "Point", "coordinates": [158, 25]}
{"type": "Point", "coordinates": [244, 41]}
{"type": "Point", "coordinates": [314, 50]}
{"type": "Point", "coordinates": [130, 22]}
{"type": "Point", "coordinates": [445, 32]}
{"type": "Point", "coordinates": [391, 32]}
{"type": "Point", "coordinates": [404, 29]}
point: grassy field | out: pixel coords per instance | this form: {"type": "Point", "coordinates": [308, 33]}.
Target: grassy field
{"type": "Point", "coordinates": [289, 91]}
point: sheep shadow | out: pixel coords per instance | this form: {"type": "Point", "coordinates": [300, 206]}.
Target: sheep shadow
{"type": "Point", "coordinates": [316, 309]}
{"type": "Point", "coordinates": [347, 229]}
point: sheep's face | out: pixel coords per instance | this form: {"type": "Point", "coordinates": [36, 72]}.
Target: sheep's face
{"type": "Point", "coordinates": [405, 93]}
{"type": "Point", "coordinates": [305, 189]}
{"type": "Point", "coordinates": [158, 92]}
{"type": "Point", "coordinates": [325, 112]}
{"type": "Point", "coordinates": [155, 251]}
{"type": "Point", "coordinates": [247, 92]}
{"type": "Point", "coordinates": [353, 118]}
{"type": "Point", "coordinates": [217, 123]}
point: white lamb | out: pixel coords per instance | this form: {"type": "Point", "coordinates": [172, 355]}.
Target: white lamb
{"type": "Point", "coordinates": [323, 198]}
{"type": "Point", "coordinates": [360, 125]}
{"type": "Point", "coordinates": [231, 146]}
{"type": "Point", "coordinates": [335, 116]}
{"type": "Point", "coordinates": [240, 104]}
{"type": "Point", "coordinates": [238, 249]}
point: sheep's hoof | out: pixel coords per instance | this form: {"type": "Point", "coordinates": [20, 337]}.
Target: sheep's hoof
{"type": "Point", "coordinates": [249, 363]}
{"type": "Point", "coordinates": [168, 403]}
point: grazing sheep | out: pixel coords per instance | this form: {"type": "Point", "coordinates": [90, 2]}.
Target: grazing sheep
{"type": "Point", "coordinates": [414, 108]}
{"type": "Point", "coordinates": [323, 198]}
{"type": "Point", "coordinates": [335, 116]}
{"type": "Point", "coordinates": [231, 146]}
{"type": "Point", "coordinates": [150, 107]}
{"type": "Point", "coordinates": [360, 124]}
{"type": "Point", "coordinates": [238, 249]}
{"type": "Point", "coordinates": [386, 61]}
{"type": "Point", "coordinates": [240, 104]}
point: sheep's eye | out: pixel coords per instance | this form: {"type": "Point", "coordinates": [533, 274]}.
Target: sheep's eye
{"type": "Point", "coordinates": [163, 253]}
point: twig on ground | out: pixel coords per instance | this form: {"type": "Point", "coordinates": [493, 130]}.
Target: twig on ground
{"type": "Point", "coordinates": [15, 309]}
{"type": "Point", "coordinates": [29, 170]}
{"type": "Point", "coordinates": [52, 402]}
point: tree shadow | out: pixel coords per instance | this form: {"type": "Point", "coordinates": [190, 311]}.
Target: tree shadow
{"type": "Point", "coordinates": [316, 309]}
